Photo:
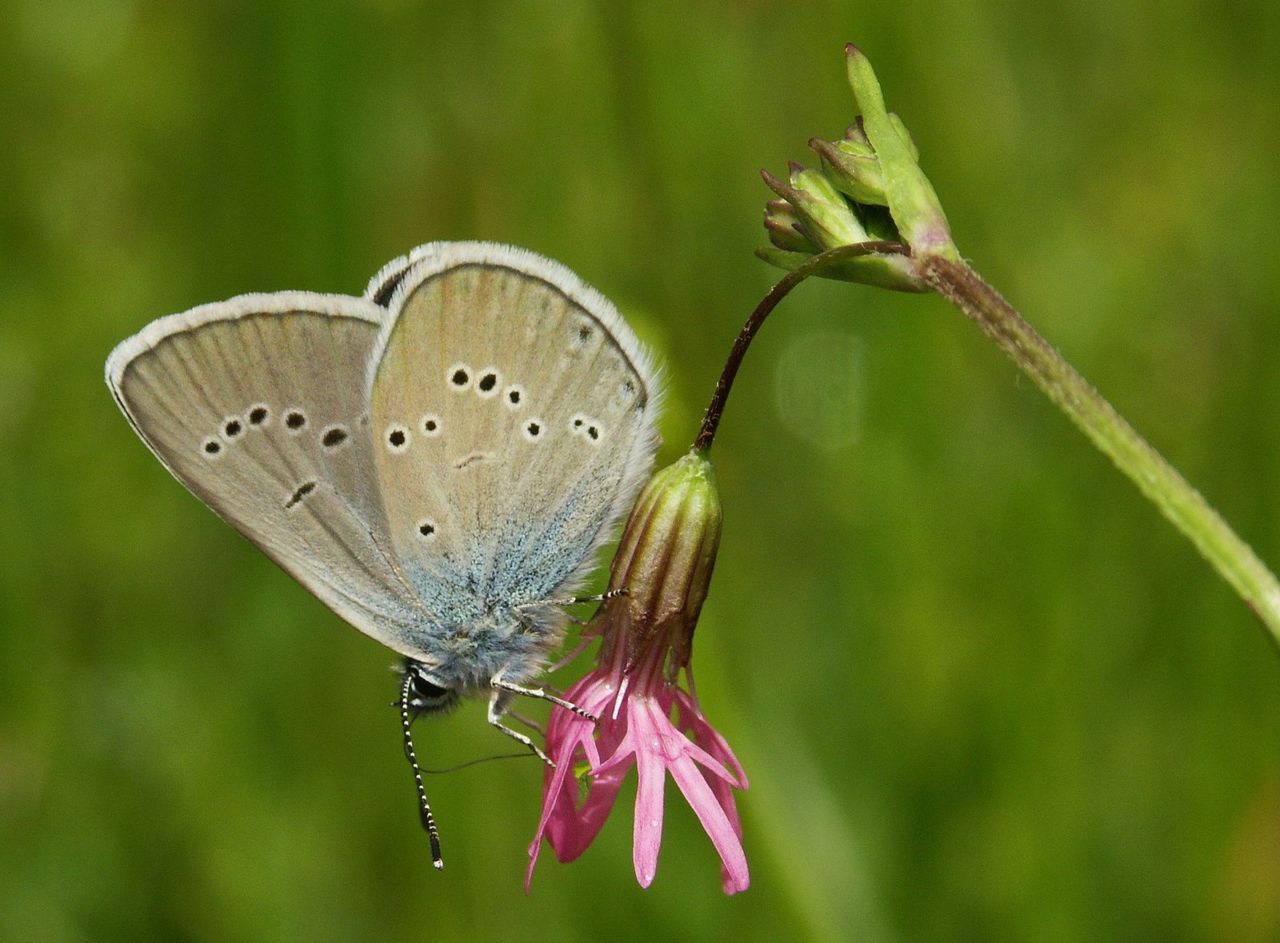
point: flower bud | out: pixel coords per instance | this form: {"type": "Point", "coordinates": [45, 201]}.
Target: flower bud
{"type": "Point", "coordinates": [870, 188]}
{"type": "Point", "coordinates": [665, 558]}
{"type": "Point", "coordinates": [911, 198]}
{"type": "Point", "coordinates": [785, 229]}
{"type": "Point", "coordinates": [813, 215]}
{"type": "Point", "coordinates": [826, 217]}
{"type": "Point", "coordinates": [631, 710]}
{"type": "Point", "coordinates": [853, 169]}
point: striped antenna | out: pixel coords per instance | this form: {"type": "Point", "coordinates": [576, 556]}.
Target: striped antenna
{"type": "Point", "coordinates": [424, 807]}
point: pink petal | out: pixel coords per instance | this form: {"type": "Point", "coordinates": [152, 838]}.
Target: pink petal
{"type": "Point", "coordinates": [572, 835]}
{"type": "Point", "coordinates": [622, 751]}
{"type": "Point", "coordinates": [635, 726]}
{"type": "Point", "coordinates": [712, 740]}
{"type": "Point", "coordinates": [647, 834]}
{"type": "Point", "coordinates": [557, 805]}
{"type": "Point", "coordinates": [703, 758]}
{"type": "Point", "coordinates": [724, 795]}
{"type": "Point", "coordinates": [720, 828]}
{"type": "Point", "coordinates": [568, 830]}
{"type": "Point", "coordinates": [691, 719]}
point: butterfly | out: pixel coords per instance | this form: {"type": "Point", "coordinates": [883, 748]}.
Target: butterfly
{"type": "Point", "coordinates": [437, 460]}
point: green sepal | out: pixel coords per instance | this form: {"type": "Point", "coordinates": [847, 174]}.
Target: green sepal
{"type": "Point", "coordinates": [909, 195]}
{"type": "Point", "coordinates": [895, 272]}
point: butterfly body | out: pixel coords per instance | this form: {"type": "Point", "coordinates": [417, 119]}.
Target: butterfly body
{"type": "Point", "coordinates": [437, 461]}
{"type": "Point", "coordinates": [466, 657]}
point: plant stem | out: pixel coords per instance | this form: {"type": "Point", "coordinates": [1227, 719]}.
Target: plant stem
{"type": "Point", "coordinates": [1155, 478]}
{"type": "Point", "coordinates": [715, 409]}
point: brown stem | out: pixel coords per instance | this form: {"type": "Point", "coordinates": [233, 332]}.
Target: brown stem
{"type": "Point", "coordinates": [711, 420]}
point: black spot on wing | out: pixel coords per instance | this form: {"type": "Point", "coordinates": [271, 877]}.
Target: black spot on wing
{"type": "Point", "coordinates": [302, 491]}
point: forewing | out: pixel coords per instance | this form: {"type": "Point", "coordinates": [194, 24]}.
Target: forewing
{"type": "Point", "coordinates": [512, 414]}
{"type": "Point", "coordinates": [258, 406]}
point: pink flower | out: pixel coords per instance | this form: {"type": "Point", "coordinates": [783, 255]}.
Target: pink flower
{"type": "Point", "coordinates": [646, 718]}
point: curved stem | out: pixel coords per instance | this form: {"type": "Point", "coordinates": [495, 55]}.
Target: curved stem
{"type": "Point", "coordinates": [715, 409]}
{"type": "Point", "coordinates": [1155, 477]}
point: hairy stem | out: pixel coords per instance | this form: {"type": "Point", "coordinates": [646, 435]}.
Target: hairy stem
{"type": "Point", "coordinates": [1155, 478]}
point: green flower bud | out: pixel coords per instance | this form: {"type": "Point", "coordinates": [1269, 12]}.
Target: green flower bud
{"type": "Point", "coordinates": [826, 216]}
{"type": "Point", "coordinates": [665, 558]}
{"type": "Point", "coordinates": [785, 229]}
{"type": "Point", "coordinates": [853, 169]}
{"type": "Point", "coordinates": [856, 136]}
{"type": "Point", "coordinates": [903, 133]}
{"type": "Point", "coordinates": [909, 195]}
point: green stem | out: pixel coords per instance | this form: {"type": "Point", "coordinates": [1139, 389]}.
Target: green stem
{"type": "Point", "coordinates": [1155, 477]}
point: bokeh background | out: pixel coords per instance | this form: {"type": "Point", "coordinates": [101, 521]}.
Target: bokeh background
{"type": "Point", "coordinates": [982, 690]}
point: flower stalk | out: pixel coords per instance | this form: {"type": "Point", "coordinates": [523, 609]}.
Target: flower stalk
{"type": "Point", "coordinates": [831, 260]}
{"type": "Point", "coordinates": [1159, 481]}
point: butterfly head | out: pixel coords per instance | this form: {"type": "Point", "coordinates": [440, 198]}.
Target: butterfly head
{"type": "Point", "coordinates": [426, 696]}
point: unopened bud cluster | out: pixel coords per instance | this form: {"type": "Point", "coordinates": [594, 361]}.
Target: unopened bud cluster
{"type": "Point", "coordinates": [867, 188]}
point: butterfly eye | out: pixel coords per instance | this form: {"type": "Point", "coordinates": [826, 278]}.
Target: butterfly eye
{"type": "Point", "coordinates": [424, 688]}
{"type": "Point", "coordinates": [430, 425]}
{"type": "Point", "coordinates": [211, 448]}
{"type": "Point", "coordinates": [514, 396]}
{"type": "Point", "coordinates": [258, 414]}
{"type": "Point", "coordinates": [294, 420]}
{"type": "Point", "coordinates": [533, 430]}
{"type": "Point", "coordinates": [427, 696]}
{"type": "Point", "coordinates": [232, 427]}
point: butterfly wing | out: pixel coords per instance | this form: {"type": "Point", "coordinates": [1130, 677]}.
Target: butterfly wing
{"type": "Point", "coordinates": [257, 405]}
{"type": "Point", "coordinates": [382, 287]}
{"type": "Point", "coordinates": [512, 415]}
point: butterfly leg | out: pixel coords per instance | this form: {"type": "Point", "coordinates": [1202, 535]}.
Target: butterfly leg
{"type": "Point", "coordinates": [510, 687]}
{"type": "Point", "coordinates": [576, 600]}
{"type": "Point", "coordinates": [578, 649]}
{"type": "Point", "coordinates": [598, 597]}
{"type": "Point", "coordinates": [529, 722]}
{"type": "Point", "coordinates": [497, 707]}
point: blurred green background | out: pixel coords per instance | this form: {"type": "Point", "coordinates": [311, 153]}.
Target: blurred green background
{"type": "Point", "coordinates": [982, 690]}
